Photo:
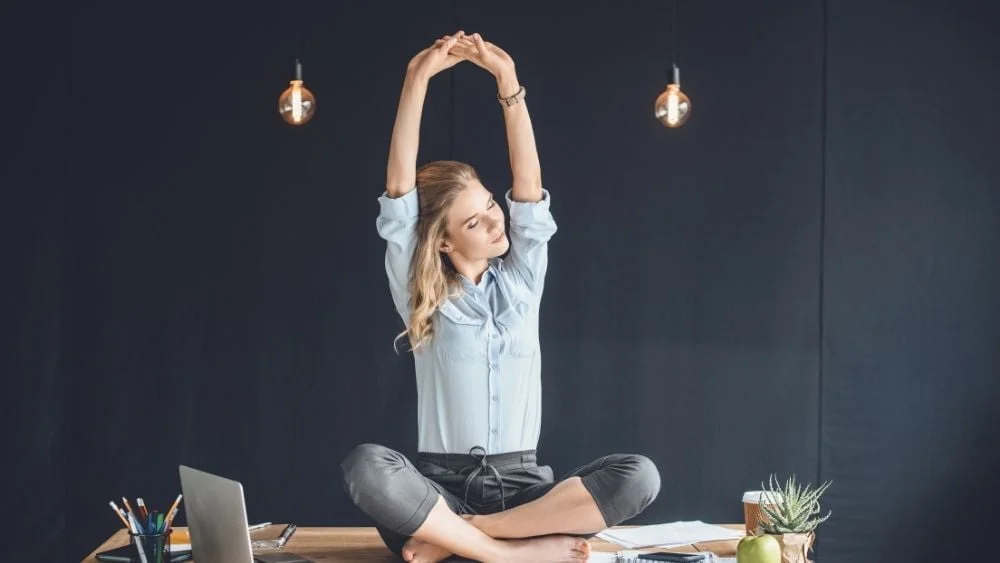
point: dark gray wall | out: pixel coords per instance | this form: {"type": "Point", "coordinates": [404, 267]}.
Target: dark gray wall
{"type": "Point", "coordinates": [801, 280]}
{"type": "Point", "coordinates": [911, 308]}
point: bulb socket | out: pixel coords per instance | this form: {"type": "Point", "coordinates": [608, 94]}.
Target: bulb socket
{"type": "Point", "coordinates": [674, 75]}
{"type": "Point", "coordinates": [298, 70]}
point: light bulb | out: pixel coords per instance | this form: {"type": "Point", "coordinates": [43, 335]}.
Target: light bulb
{"type": "Point", "coordinates": [673, 107]}
{"type": "Point", "coordinates": [297, 104]}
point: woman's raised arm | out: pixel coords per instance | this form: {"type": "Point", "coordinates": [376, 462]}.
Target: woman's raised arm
{"type": "Point", "coordinates": [401, 171]}
{"type": "Point", "coordinates": [524, 166]}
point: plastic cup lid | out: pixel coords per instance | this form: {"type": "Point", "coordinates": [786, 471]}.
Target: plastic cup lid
{"type": "Point", "coordinates": [756, 497]}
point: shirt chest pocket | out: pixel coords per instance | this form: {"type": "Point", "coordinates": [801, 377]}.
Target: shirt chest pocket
{"type": "Point", "coordinates": [520, 330]}
{"type": "Point", "coordinates": [459, 335]}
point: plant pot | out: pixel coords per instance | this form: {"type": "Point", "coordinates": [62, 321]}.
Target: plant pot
{"type": "Point", "coordinates": [795, 547]}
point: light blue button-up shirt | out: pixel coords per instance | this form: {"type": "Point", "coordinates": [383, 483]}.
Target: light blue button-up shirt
{"type": "Point", "coordinates": [479, 379]}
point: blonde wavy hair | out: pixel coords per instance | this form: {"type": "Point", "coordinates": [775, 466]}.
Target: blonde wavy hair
{"type": "Point", "coordinates": [433, 278]}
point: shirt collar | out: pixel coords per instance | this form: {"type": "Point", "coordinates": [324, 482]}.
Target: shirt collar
{"type": "Point", "coordinates": [488, 276]}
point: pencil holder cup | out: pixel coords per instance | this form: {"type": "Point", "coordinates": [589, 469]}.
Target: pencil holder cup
{"type": "Point", "coordinates": [152, 548]}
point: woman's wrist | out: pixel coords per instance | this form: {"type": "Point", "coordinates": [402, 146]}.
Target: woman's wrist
{"type": "Point", "coordinates": [416, 77]}
{"type": "Point", "coordinates": [507, 84]}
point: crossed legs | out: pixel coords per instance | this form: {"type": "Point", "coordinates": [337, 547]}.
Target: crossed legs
{"type": "Point", "coordinates": [420, 520]}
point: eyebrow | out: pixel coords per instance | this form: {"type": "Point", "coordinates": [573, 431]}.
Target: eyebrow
{"type": "Point", "coordinates": [474, 216]}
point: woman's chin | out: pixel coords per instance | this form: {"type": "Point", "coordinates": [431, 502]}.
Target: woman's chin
{"type": "Point", "coordinates": [500, 246]}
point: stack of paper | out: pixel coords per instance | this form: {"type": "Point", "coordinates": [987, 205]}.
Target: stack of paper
{"type": "Point", "coordinates": [669, 535]}
{"type": "Point", "coordinates": [603, 557]}
{"type": "Point", "coordinates": [633, 557]}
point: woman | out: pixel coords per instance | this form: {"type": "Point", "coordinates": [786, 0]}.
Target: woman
{"type": "Point", "coordinates": [471, 318]}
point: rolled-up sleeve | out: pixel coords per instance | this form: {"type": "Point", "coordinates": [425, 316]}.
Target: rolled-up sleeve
{"type": "Point", "coordinates": [531, 227]}
{"type": "Point", "coordinates": [397, 224]}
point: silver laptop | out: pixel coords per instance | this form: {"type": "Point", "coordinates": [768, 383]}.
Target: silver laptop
{"type": "Point", "coordinates": [216, 517]}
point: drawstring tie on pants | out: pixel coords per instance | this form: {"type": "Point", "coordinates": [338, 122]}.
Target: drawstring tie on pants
{"type": "Point", "coordinates": [475, 470]}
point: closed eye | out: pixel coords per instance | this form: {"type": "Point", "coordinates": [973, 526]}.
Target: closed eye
{"type": "Point", "coordinates": [490, 206]}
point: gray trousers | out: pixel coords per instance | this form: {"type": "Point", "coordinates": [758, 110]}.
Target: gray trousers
{"type": "Point", "coordinates": [398, 495]}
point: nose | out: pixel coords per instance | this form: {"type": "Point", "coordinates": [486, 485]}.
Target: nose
{"type": "Point", "coordinates": [496, 228]}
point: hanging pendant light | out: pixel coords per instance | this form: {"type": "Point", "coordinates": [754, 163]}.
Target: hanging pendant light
{"type": "Point", "coordinates": [673, 107]}
{"type": "Point", "coordinates": [297, 104]}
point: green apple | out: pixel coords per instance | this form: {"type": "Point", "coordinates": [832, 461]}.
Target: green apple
{"type": "Point", "coordinates": [758, 549]}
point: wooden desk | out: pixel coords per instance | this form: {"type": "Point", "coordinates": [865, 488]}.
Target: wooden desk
{"type": "Point", "coordinates": [363, 545]}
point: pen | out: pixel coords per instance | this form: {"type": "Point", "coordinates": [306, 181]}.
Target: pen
{"type": "Point", "coordinates": [137, 530]}
{"type": "Point", "coordinates": [286, 534]}
{"type": "Point", "coordinates": [260, 526]}
{"type": "Point", "coordinates": [118, 513]}
{"type": "Point", "coordinates": [159, 523]}
{"type": "Point", "coordinates": [136, 526]}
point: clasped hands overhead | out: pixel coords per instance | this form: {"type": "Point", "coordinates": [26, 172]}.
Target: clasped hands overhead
{"type": "Point", "coordinates": [450, 50]}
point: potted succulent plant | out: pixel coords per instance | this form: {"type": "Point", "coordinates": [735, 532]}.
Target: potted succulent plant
{"type": "Point", "coordinates": [791, 515]}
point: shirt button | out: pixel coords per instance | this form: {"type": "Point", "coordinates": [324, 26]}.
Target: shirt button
{"type": "Point", "coordinates": [494, 431]}
{"type": "Point", "coordinates": [495, 398]}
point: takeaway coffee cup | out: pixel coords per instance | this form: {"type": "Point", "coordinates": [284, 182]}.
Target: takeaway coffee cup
{"type": "Point", "coordinates": [752, 514]}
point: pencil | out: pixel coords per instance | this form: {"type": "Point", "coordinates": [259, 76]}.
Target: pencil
{"type": "Point", "coordinates": [119, 514]}
{"type": "Point", "coordinates": [142, 507]}
{"type": "Point", "coordinates": [173, 510]}
{"type": "Point", "coordinates": [170, 518]}
{"type": "Point", "coordinates": [127, 505]}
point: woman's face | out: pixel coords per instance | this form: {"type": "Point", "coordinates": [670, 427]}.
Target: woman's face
{"type": "Point", "coordinates": [475, 224]}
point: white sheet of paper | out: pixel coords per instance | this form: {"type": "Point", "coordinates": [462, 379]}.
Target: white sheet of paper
{"type": "Point", "coordinates": [669, 535]}
{"type": "Point", "coordinates": [619, 557]}
{"type": "Point", "coordinates": [631, 557]}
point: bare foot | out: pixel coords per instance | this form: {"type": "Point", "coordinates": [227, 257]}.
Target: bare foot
{"type": "Point", "coordinates": [548, 549]}
{"type": "Point", "coordinates": [419, 551]}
